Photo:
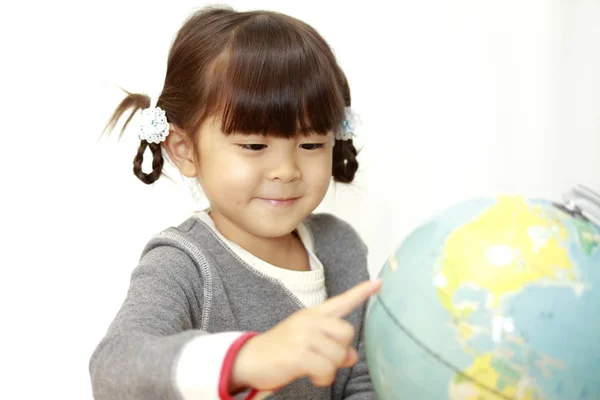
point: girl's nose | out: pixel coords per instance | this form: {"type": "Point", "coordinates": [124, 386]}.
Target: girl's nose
{"type": "Point", "coordinates": [286, 169]}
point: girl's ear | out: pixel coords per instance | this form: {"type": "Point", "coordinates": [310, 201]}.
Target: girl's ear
{"type": "Point", "coordinates": [181, 151]}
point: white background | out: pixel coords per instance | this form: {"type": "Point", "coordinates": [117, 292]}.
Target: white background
{"type": "Point", "coordinates": [457, 99]}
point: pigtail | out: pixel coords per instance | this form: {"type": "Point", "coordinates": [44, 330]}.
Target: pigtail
{"type": "Point", "coordinates": [157, 162]}
{"type": "Point", "coordinates": [136, 101]}
{"type": "Point", "coordinates": [345, 164]}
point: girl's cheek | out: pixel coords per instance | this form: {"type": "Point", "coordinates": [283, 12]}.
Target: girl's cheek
{"type": "Point", "coordinates": [236, 172]}
{"type": "Point", "coordinates": [319, 174]}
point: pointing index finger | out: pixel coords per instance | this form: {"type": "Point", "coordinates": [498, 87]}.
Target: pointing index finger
{"type": "Point", "coordinates": [343, 304]}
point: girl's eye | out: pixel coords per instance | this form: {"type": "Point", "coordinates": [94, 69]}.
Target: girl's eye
{"type": "Point", "coordinates": [253, 146]}
{"type": "Point", "coordinates": [312, 146]}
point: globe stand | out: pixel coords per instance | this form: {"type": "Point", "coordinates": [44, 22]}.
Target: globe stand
{"type": "Point", "coordinates": [582, 202]}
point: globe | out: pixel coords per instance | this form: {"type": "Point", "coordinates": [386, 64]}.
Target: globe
{"type": "Point", "coordinates": [491, 299]}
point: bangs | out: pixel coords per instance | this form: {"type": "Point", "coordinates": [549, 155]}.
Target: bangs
{"type": "Point", "coordinates": [278, 78]}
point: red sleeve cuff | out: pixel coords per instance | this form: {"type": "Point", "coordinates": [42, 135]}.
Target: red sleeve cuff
{"type": "Point", "coordinates": [227, 367]}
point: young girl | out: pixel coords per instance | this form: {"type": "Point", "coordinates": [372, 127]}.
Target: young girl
{"type": "Point", "coordinates": [255, 295]}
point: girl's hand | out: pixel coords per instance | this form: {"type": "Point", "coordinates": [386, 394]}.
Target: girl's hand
{"type": "Point", "coordinates": [313, 342]}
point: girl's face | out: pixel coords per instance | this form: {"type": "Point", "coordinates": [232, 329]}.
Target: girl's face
{"type": "Point", "coordinates": [264, 186]}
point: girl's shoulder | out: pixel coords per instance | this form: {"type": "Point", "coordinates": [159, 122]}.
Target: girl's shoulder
{"type": "Point", "coordinates": [326, 226]}
{"type": "Point", "coordinates": [195, 239]}
{"type": "Point", "coordinates": [187, 238]}
{"type": "Point", "coordinates": [341, 250]}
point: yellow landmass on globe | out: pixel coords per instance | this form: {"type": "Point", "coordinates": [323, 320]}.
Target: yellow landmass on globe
{"type": "Point", "coordinates": [465, 331]}
{"type": "Point", "coordinates": [489, 378]}
{"type": "Point", "coordinates": [497, 253]}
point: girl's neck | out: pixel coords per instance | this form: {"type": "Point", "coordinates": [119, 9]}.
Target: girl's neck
{"type": "Point", "coordinates": [285, 252]}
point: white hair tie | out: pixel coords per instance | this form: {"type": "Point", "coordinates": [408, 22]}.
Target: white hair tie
{"type": "Point", "coordinates": [154, 127]}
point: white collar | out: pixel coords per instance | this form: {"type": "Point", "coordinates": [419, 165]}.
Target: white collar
{"type": "Point", "coordinates": [304, 279]}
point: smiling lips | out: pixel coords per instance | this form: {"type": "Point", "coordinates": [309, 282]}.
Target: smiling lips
{"type": "Point", "coordinates": [281, 202]}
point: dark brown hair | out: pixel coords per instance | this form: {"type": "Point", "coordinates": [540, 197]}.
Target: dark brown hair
{"type": "Point", "coordinates": [260, 71]}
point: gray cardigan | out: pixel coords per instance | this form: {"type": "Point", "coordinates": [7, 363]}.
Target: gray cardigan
{"type": "Point", "coordinates": [189, 283]}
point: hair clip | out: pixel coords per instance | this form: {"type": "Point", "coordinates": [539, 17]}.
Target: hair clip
{"type": "Point", "coordinates": [348, 125]}
{"type": "Point", "coordinates": [154, 126]}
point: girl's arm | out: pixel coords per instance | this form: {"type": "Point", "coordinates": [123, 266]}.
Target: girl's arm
{"type": "Point", "coordinates": [151, 350]}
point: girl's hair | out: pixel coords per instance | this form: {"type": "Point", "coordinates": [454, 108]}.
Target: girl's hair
{"type": "Point", "coordinates": [261, 72]}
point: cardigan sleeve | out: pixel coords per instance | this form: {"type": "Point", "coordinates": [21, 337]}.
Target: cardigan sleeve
{"type": "Point", "coordinates": [151, 349]}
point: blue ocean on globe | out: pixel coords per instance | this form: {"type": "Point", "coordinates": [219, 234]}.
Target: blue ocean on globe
{"type": "Point", "coordinates": [491, 299]}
